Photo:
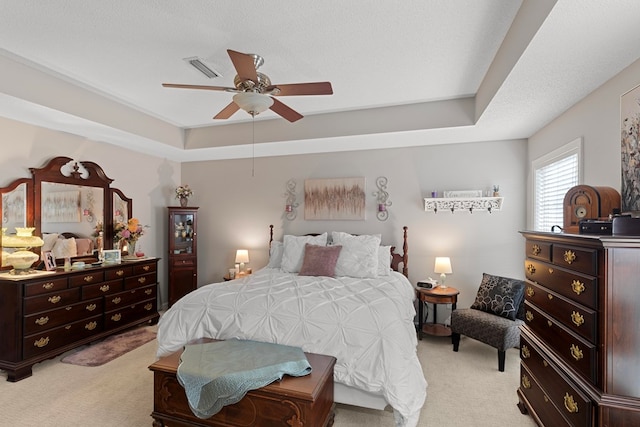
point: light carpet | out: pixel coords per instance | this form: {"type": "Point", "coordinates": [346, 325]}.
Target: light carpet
{"type": "Point", "coordinates": [465, 389]}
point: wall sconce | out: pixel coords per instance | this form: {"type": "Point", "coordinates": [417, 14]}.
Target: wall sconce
{"type": "Point", "coordinates": [290, 208]}
{"type": "Point", "coordinates": [382, 198]}
{"type": "Point", "coordinates": [443, 266]}
{"type": "Point", "coordinates": [242, 257]}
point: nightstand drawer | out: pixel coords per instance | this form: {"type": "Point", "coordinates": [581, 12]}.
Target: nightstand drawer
{"type": "Point", "coordinates": [578, 318]}
{"type": "Point", "coordinates": [538, 250]}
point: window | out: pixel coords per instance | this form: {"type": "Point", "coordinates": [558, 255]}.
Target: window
{"type": "Point", "coordinates": [553, 175]}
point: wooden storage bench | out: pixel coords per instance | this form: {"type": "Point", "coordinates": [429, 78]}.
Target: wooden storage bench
{"type": "Point", "coordinates": [293, 402]}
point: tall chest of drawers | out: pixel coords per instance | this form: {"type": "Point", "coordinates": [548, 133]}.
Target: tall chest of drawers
{"type": "Point", "coordinates": [580, 345]}
{"type": "Point", "coordinates": [45, 315]}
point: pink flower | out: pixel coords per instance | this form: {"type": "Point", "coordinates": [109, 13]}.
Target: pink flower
{"type": "Point", "coordinates": [126, 233]}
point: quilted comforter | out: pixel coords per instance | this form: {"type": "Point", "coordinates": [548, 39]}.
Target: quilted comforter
{"type": "Point", "coordinates": [366, 324]}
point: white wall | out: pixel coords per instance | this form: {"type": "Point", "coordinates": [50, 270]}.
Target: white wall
{"type": "Point", "coordinates": [597, 120]}
{"type": "Point", "coordinates": [149, 180]}
{"type": "Point", "coordinates": [236, 208]}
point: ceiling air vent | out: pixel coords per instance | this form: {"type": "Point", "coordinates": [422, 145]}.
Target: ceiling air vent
{"type": "Point", "coordinates": [202, 67]}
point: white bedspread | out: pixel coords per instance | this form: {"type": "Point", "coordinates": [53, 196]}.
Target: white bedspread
{"type": "Point", "coordinates": [367, 324]}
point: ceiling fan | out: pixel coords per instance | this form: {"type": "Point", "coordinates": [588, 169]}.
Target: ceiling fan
{"type": "Point", "coordinates": [254, 92]}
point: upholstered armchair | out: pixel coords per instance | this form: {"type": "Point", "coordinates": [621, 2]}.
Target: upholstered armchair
{"type": "Point", "coordinates": [495, 316]}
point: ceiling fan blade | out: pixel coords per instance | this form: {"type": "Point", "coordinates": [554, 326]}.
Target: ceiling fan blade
{"type": "Point", "coordinates": [317, 88]}
{"type": "Point", "coordinates": [227, 111]}
{"type": "Point", "coordinates": [181, 86]}
{"type": "Point", "coordinates": [285, 111]}
{"type": "Point", "coordinates": [244, 65]}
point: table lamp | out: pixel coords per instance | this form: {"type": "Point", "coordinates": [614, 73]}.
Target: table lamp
{"type": "Point", "coordinates": [242, 257]}
{"type": "Point", "coordinates": [443, 266]}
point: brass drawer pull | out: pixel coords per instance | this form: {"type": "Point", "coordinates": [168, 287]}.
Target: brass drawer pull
{"type": "Point", "coordinates": [545, 363]}
{"type": "Point", "coordinates": [54, 299]}
{"type": "Point", "coordinates": [116, 317]}
{"type": "Point", "coordinates": [42, 342]}
{"type": "Point", "coordinates": [148, 306]}
{"type": "Point", "coordinates": [525, 352]}
{"type": "Point", "coordinates": [116, 300]}
{"type": "Point", "coordinates": [577, 318]}
{"type": "Point", "coordinates": [535, 249]}
{"type": "Point", "coordinates": [526, 383]}
{"type": "Point", "coordinates": [530, 292]}
{"type": "Point", "coordinates": [88, 279]}
{"type": "Point", "coordinates": [576, 353]}
{"type": "Point", "coordinates": [550, 296]}
{"type": "Point", "coordinates": [531, 269]}
{"type": "Point", "coordinates": [42, 321]}
{"type": "Point", "coordinates": [142, 280]}
{"type": "Point", "coordinates": [570, 404]}
{"type": "Point", "coordinates": [104, 288]}
{"type": "Point", "coordinates": [91, 326]}
{"type": "Point", "coordinates": [91, 307]}
{"type": "Point", "coordinates": [47, 286]}
{"type": "Point", "coordinates": [569, 257]}
{"type": "Point", "coordinates": [120, 273]}
{"type": "Point", "coordinates": [577, 287]}
{"type": "Point", "coordinates": [550, 323]}
{"type": "Point", "coordinates": [146, 267]}
{"type": "Point", "coordinates": [529, 316]}
{"type": "Point", "coordinates": [148, 291]}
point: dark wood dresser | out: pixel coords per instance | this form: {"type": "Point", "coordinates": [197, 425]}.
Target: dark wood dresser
{"type": "Point", "coordinates": [580, 345]}
{"type": "Point", "coordinates": [45, 315]}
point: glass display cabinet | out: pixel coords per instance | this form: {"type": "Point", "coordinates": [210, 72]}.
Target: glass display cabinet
{"type": "Point", "coordinates": [183, 252]}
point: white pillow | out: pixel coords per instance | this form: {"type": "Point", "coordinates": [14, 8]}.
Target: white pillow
{"type": "Point", "coordinates": [359, 255]}
{"type": "Point", "coordinates": [275, 254]}
{"type": "Point", "coordinates": [49, 241]}
{"type": "Point", "coordinates": [384, 260]}
{"type": "Point", "coordinates": [293, 252]}
{"type": "Point", "coordinates": [65, 248]}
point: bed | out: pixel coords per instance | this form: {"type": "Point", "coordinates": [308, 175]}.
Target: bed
{"type": "Point", "coordinates": [363, 315]}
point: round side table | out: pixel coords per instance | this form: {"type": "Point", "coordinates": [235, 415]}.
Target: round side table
{"type": "Point", "coordinates": [437, 295]}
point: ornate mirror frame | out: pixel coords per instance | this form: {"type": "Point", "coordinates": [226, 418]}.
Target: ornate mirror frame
{"type": "Point", "coordinates": [65, 170]}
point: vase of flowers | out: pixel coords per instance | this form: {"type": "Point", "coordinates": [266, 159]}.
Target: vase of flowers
{"type": "Point", "coordinates": [183, 193]}
{"type": "Point", "coordinates": [129, 233]}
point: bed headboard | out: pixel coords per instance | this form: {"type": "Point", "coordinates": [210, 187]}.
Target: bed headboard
{"type": "Point", "coordinates": [396, 259]}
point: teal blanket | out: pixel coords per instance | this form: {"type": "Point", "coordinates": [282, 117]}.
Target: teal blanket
{"type": "Point", "coordinates": [221, 373]}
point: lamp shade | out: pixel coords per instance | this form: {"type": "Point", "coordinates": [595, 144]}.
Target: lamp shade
{"type": "Point", "coordinates": [242, 256]}
{"type": "Point", "coordinates": [253, 103]}
{"type": "Point", "coordinates": [443, 265]}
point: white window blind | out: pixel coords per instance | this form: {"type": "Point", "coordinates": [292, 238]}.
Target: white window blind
{"type": "Point", "coordinates": [552, 179]}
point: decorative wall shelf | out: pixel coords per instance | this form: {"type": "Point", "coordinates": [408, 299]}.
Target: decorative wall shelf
{"type": "Point", "coordinates": [463, 204]}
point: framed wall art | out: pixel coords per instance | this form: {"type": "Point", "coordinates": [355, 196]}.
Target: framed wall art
{"type": "Point", "coordinates": [630, 151]}
{"type": "Point", "coordinates": [334, 199]}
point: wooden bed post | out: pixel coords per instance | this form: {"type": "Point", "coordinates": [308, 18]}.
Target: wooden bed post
{"type": "Point", "coordinates": [270, 236]}
{"type": "Point", "coordinates": [405, 255]}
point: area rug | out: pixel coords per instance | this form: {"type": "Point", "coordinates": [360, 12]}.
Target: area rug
{"type": "Point", "coordinates": [110, 348]}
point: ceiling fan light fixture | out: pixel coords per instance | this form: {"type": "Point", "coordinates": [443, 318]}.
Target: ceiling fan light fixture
{"type": "Point", "coordinates": [252, 102]}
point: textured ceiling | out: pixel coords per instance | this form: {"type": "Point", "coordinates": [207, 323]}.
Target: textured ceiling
{"type": "Point", "coordinates": [409, 73]}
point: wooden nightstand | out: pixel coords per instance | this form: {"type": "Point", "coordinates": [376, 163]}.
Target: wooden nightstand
{"type": "Point", "coordinates": [435, 296]}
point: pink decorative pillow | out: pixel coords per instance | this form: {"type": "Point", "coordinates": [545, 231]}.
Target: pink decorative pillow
{"type": "Point", "coordinates": [319, 260]}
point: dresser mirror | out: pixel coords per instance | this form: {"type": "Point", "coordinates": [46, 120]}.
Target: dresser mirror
{"type": "Point", "coordinates": [65, 198]}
